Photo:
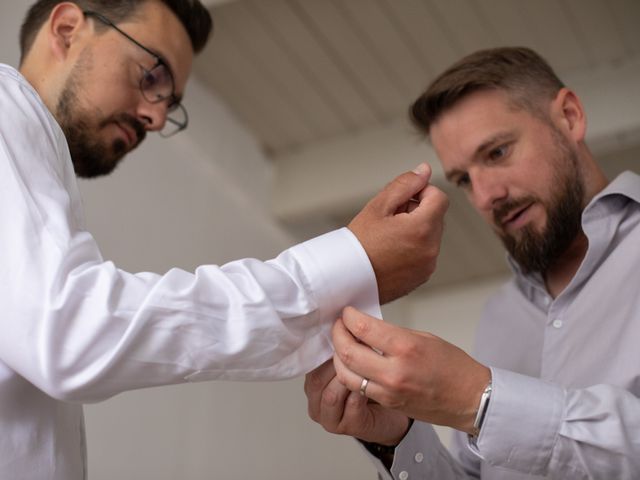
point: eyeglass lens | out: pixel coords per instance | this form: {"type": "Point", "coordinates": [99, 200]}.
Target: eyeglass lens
{"type": "Point", "coordinates": [157, 85]}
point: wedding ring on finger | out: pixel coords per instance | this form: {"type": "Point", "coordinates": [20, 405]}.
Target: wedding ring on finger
{"type": "Point", "coordinates": [363, 386]}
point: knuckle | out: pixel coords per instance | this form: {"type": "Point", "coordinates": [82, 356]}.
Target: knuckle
{"type": "Point", "coordinates": [312, 383]}
{"type": "Point", "coordinates": [394, 342]}
{"type": "Point", "coordinates": [346, 354]}
{"type": "Point", "coordinates": [410, 348]}
{"type": "Point", "coordinates": [396, 382]}
{"type": "Point", "coordinates": [438, 200]}
{"type": "Point", "coordinates": [352, 402]}
{"type": "Point", "coordinates": [341, 377]}
{"type": "Point", "coordinates": [442, 198]}
{"type": "Point", "coordinates": [329, 428]}
{"type": "Point", "coordinates": [392, 401]}
{"type": "Point", "coordinates": [339, 429]}
{"type": "Point", "coordinates": [328, 398]}
{"type": "Point", "coordinates": [313, 415]}
{"type": "Point", "coordinates": [361, 328]}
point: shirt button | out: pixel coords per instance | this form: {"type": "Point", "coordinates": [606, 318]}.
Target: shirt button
{"type": "Point", "coordinates": [403, 475]}
{"type": "Point", "coordinates": [419, 457]}
{"type": "Point", "coordinates": [557, 324]}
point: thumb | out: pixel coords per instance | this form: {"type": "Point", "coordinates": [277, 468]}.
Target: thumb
{"type": "Point", "coordinates": [423, 170]}
{"type": "Point", "coordinates": [404, 187]}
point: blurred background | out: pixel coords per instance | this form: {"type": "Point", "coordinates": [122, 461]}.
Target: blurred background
{"type": "Point", "coordinates": [298, 116]}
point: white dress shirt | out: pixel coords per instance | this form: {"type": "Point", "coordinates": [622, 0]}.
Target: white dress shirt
{"type": "Point", "coordinates": [75, 328]}
{"type": "Point", "coordinates": [566, 371]}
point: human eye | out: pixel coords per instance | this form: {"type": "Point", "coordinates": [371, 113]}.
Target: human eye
{"type": "Point", "coordinates": [498, 152]}
{"type": "Point", "coordinates": [149, 78]}
{"type": "Point", "coordinates": [462, 181]}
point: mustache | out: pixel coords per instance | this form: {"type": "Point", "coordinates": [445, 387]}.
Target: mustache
{"type": "Point", "coordinates": [508, 206]}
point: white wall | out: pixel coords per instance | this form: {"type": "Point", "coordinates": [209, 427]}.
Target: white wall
{"type": "Point", "coordinates": [200, 198]}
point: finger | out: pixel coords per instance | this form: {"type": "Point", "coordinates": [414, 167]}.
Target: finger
{"type": "Point", "coordinates": [354, 381]}
{"type": "Point", "coordinates": [355, 413]}
{"type": "Point", "coordinates": [371, 422]}
{"type": "Point", "coordinates": [357, 356]}
{"type": "Point", "coordinates": [432, 202]}
{"type": "Point", "coordinates": [413, 204]}
{"type": "Point", "coordinates": [314, 384]}
{"type": "Point", "coordinates": [332, 405]}
{"type": "Point", "coordinates": [374, 332]}
{"type": "Point", "coordinates": [401, 189]}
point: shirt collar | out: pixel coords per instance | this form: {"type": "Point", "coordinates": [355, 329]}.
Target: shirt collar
{"type": "Point", "coordinates": [626, 184]}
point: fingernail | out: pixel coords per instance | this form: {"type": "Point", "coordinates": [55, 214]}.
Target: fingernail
{"type": "Point", "coordinates": [420, 169]}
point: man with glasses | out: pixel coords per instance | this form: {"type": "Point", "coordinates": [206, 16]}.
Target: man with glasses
{"type": "Point", "coordinates": [95, 77]}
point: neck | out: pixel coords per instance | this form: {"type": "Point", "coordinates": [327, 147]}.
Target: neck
{"type": "Point", "coordinates": [46, 74]}
{"type": "Point", "coordinates": [558, 276]}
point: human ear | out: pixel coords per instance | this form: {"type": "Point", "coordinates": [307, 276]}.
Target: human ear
{"type": "Point", "coordinates": [65, 23]}
{"type": "Point", "coordinates": [567, 109]}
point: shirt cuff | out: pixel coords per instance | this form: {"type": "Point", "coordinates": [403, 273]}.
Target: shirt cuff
{"type": "Point", "coordinates": [339, 273]}
{"type": "Point", "coordinates": [522, 423]}
{"type": "Point", "coordinates": [416, 453]}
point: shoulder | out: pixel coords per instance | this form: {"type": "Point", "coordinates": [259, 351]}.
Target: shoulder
{"type": "Point", "coordinates": [20, 103]}
{"type": "Point", "coordinates": [28, 131]}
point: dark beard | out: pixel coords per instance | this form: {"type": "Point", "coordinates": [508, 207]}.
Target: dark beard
{"type": "Point", "coordinates": [91, 157]}
{"type": "Point", "coordinates": [537, 251]}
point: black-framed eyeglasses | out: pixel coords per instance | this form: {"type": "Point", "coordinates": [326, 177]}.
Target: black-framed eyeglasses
{"type": "Point", "coordinates": [157, 84]}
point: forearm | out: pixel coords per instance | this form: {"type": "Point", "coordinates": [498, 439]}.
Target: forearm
{"type": "Point", "coordinates": [97, 331]}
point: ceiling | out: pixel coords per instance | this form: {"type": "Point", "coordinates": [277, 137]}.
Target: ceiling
{"type": "Point", "coordinates": [300, 71]}
{"type": "Point", "coordinates": [324, 86]}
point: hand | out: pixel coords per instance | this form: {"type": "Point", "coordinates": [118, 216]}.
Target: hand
{"type": "Point", "coordinates": [417, 373]}
{"type": "Point", "coordinates": [400, 229]}
{"type": "Point", "coordinates": [341, 411]}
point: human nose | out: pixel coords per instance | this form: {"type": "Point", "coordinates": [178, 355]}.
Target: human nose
{"type": "Point", "coordinates": [153, 115]}
{"type": "Point", "coordinates": [487, 190]}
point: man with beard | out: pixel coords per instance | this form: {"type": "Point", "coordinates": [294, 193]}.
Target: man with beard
{"type": "Point", "coordinates": [553, 389]}
{"type": "Point", "coordinates": [95, 77]}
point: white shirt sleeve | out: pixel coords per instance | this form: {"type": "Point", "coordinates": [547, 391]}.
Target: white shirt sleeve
{"type": "Point", "coordinates": [81, 329]}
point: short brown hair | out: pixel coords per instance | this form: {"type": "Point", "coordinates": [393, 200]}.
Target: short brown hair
{"type": "Point", "coordinates": [193, 15]}
{"type": "Point", "coordinates": [519, 71]}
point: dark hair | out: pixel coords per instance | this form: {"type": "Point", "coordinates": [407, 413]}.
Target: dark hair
{"type": "Point", "coordinates": [193, 15]}
{"type": "Point", "coordinates": [519, 71]}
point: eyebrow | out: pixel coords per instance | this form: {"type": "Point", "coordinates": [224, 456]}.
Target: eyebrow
{"type": "Point", "coordinates": [491, 141]}
{"type": "Point", "coordinates": [161, 58]}
{"type": "Point", "coordinates": [483, 147]}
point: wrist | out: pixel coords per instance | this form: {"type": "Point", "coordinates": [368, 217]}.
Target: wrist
{"type": "Point", "coordinates": [386, 453]}
{"type": "Point", "coordinates": [482, 410]}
